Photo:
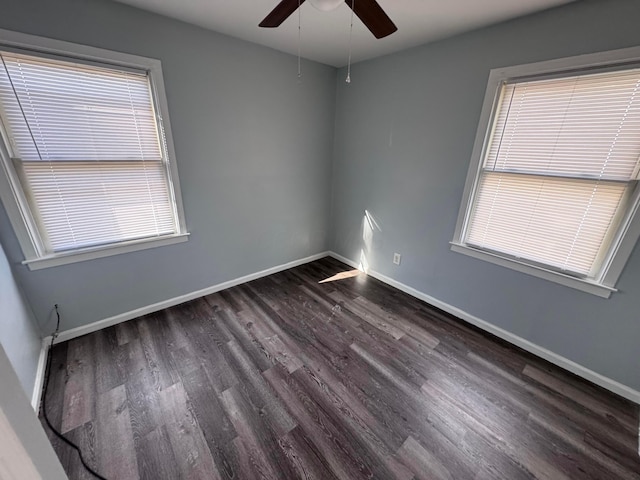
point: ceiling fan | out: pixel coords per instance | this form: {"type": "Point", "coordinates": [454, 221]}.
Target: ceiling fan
{"type": "Point", "coordinates": [369, 11]}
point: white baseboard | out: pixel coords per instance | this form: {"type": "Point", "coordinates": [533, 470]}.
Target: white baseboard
{"type": "Point", "coordinates": [40, 373]}
{"type": "Point", "coordinates": [573, 367]}
{"type": "Point", "coordinates": [138, 312]}
{"type": "Point", "coordinates": [542, 352]}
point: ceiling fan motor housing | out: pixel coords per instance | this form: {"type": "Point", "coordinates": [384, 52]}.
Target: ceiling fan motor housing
{"type": "Point", "coordinates": [326, 5]}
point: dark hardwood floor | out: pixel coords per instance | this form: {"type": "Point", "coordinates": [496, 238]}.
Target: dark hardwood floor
{"type": "Point", "coordinates": [292, 376]}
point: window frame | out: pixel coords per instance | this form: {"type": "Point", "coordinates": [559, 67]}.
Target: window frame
{"type": "Point", "coordinates": [626, 235]}
{"type": "Point", "coordinates": [12, 194]}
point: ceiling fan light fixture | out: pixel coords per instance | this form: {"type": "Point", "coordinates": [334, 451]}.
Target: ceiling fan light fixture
{"type": "Point", "coordinates": [326, 5]}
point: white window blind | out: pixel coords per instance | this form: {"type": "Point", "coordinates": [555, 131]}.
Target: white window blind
{"type": "Point", "coordinates": [88, 151]}
{"type": "Point", "coordinates": [561, 162]}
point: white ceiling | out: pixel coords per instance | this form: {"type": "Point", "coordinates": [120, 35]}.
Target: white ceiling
{"type": "Point", "coordinates": [325, 35]}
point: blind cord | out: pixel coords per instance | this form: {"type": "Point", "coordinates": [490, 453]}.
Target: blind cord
{"type": "Point", "coordinates": [35, 144]}
{"type": "Point", "coordinates": [15, 93]}
{"type": "Point", "coordinates": [44, 403]}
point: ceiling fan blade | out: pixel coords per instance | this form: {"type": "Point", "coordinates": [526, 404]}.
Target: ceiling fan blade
{"type": "Point", "coordinates": [373, 16]}
{"type": "Point", "coordinates": [279, 14]}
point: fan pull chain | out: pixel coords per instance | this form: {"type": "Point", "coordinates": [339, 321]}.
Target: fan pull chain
{"type": "Point", "coordinates": [353, 6]}
{"type": "Point", "coordinates": [299, 43]}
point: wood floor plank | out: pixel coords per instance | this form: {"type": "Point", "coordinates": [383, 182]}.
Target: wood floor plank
{"type": "Point", "coordinates": [320, 372]}
{"type": "Point", "coordinates": [357, 401]}
{"type": "Point", "coordinates": [206, 350]}
{"type": "Point", "coordinates": [424, 464]}
{"type": "Point", "coordinates": [80, 386]}
{"type": "Point", "coordinates": [186, 361]}
{"type": "Point", "coordinates": [576, 423]}
{"type": "Point", "coordinates": [235, 301]}
{"type": "Point", "coordinates": [260, 440]}
{"type": "Point", "coordinates": [405, 415]}
{"type": "Point", "coordinates": [253, 324]}
{"type": "Point", "coordinates": [305, 457]}
{"type": "Point", "coordinates": [217, 300]}
{"type": "Point", "coordinates": [410, 421]}
{"type": "Point", "coordinates": [269, 318]}
{"type": "Point", "coordinates": [281, 353]}
{"type": "Point", "coordinates": [408, 327]}
{"type": "Point", "coordinates": [110, 369]}
{"type": "Point", "coordinates": [491, 463]}
{"type": "Point", "coordinates": [329, 400]}
{"type": "Point", "coordinates": [499, 428]}
{"type": "Point", "coordinates": [135, 362]}
{"type": "Point", "coordinates": [85, 437]}
{"type": "Point", "coordinates": [312, 322]}
{"type": "Point", "coordinates": [359, 455]}
{"type": "Point", "coordinates": [193, 457]}
{"type": "Point", "coordinates": [599, 464]}
{"type": "Point", "coordinates": [210, 320]}
{"type": "Point", "coordinates": [258, 390]}
{"type": "Point", "coordinates": [368, 317]}
{"type": "Point", "coordinates": [156, 460]}
{"type": "Point", "coordinates": [617, 418]}
{"type": "Point", "coordinates": [156, 353]}
{"type": "Point", "coordinates": [217, 428]}
{"type": "Point", "coordinates": [568, 412]}
{"type": "Point", "coordinates": [387, 372]}
{"type": "Point", "coordinates": [174, 333]}
{"type": "Point", "coordinates": [246, 466]}
{"type": "Point", "coordinates": [115, 450]}
{"type": "Point", "coordinates": [252, 347]}
{"type": "Point", "coordinates": [145, 413]}
{"type": "Point", "coordinates": [613, 451]}
{"type": "Point", "coordinates": [405, 363]}
{"type": "Point", "coordinates": [125, 332]}
{"type": "Point", "coordinates": [425, 417]}
{"type": "Point", "coordinates": [331, 443]}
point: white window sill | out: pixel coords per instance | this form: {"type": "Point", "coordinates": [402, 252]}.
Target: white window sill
{"type": "Point", "coordinates": [585, 285]}
{"type": "Point", "coordinates": [91, 253]}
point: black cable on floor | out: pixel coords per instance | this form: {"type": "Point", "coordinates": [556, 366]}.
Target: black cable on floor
{"type": "Point", "coordinates": [44, 403]}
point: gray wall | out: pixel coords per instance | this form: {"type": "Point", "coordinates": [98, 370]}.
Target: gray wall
{"type": "Point", "coordinates": [14, 405]}
{"type": "Point", "coordinates": [254, 155]}
{"type": "Point", "coordinates": [405, 129]}
{"type": "Point", "coordinates": [18, 334]}
{"type": "Point", "coordinates": [253, 152]}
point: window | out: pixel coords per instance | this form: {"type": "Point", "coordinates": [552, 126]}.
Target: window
{"type": "Point", "coordinates": [553, 189]}
{"type": "Point", "coordinates": [86, 154]}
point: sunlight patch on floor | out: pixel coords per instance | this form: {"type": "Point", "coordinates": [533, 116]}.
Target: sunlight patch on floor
{"type": "Point", "coordinates": [341, 276]}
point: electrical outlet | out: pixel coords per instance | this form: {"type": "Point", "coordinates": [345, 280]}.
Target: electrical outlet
{"type": "Point", "coordinates": [396, 258]}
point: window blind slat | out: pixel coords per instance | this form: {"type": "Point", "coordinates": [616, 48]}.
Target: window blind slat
{"type": "Point", "coordinates": [552, 221]}
{"type": "Point", "coordinates": [560, 161]}
{"type": "Point", "coordinates": [76, 108]}
{"type": "Point", "coordinates": [89, 151]}
{"type": "Point", "coordinates": [546, 126]}
{"type": "Point", "coordinates": [119, 203]}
